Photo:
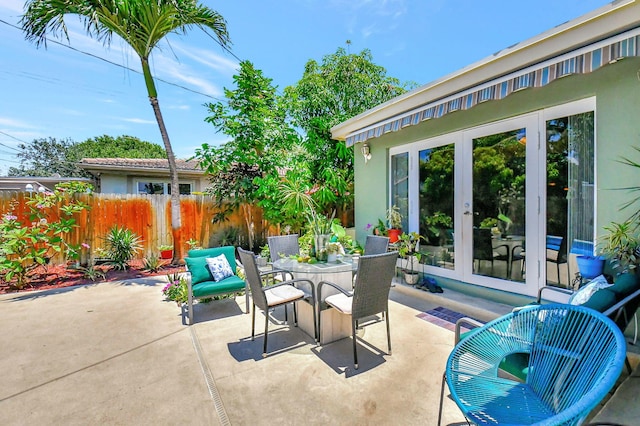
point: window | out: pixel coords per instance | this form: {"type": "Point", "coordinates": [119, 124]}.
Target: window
{"type": "Point", "coordinates": [162, 188]}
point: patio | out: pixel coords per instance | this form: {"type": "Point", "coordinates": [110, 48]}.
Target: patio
{"type": "Point", "coordinates": [116, 353]}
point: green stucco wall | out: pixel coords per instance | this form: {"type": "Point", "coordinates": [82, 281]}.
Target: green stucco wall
{"type": "Point", "coordinates": [617, 91]}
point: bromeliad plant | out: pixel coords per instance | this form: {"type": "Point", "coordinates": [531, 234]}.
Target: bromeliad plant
{"type": "Point", "coordinates": [26, 244]}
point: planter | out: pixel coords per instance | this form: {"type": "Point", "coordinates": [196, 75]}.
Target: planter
{"type": "Point", "coordinates": [590, 266]}
{"type": "Point", "coordinates": [394, 234]}
{"type": "Point", "coordinates": [261, 261]}
{"type": "Point", "coordinates": [166, 254]}
{"type": "Point", "coordinates": [411, 278]}
{"type": "Point", "coordinates": [320, 243]}
{"type": "Point", "coordinates": [332, 257]}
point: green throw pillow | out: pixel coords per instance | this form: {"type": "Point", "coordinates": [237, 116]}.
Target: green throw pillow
{"type": "Point", "coordinates": [199, 269]}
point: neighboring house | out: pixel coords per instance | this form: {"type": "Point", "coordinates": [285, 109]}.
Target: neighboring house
{"type": "Point", "coordinates": [143, 176]}
{"type": "Point", "coordinates": [533, 133]}
{"type": "Point", "coordinates": [32, 183]}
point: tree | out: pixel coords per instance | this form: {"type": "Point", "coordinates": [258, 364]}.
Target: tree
{"type": "Point", "coordinates": [343, 86]}
{"type": "Point", "coordinates": [46, 157]}
{"type": "Point", "coordinates": [119, 147]}
{"type": "Point", "coordinates": [260, 138]}
{"type": "Point", "coordinates": [142, 24]}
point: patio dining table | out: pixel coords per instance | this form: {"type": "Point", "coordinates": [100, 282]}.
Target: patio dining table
{"type": "Point", "coordinates": [334, 325]}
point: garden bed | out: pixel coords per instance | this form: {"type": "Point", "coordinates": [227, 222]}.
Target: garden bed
{"type": "Point", "coordinates": [59, 276]}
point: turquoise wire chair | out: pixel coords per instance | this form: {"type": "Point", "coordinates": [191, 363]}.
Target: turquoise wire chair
{"type": "Point", "coordinates": [576, 355]}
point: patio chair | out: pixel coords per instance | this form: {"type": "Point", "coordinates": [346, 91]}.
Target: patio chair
{"type": "Point", "coordinates": [370, 296]}
{"type": "Point", "coordinates": [274, 295]}
{"type": "Point", "coordinates": [376, 244]}
{"type": "Point", "coordinates": [557, 253]}
{"type": "Point", "coordinates": [575, 357]}
{"type": "Point", "coordinates": [202, 284]}
{"type": "Point", "coordinates": [283, 246]}
{"type": "Point", "coordinates": [483, 249]}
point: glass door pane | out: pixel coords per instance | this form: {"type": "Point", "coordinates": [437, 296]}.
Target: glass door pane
{"type": "Point", "coordinates": [570, 193]}
{"type": "Point", "coordinates": [498, 173]}
{"type": "Point", "coordinates": [400, 185]}
{"type": "Point", "coordinates": [436, 194]}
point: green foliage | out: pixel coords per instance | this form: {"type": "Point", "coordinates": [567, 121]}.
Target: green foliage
{"type": "Point", "coordinates": [119, 147]}
{"type": "Point", "coordinates": [46, 157]}
{"type": "Point", "coordinates": [121, 245]}
{"type": "Point", "coordinates": [621, 245]}
{"type": "Point", "coordinates": [394, 218]}
{"type": "Point", "coordinates": [343, 86]}
{"type": "Point", "coordinates": [260, 138]}
{"type": "Point", "coordinates": [176, 289]}
{"type": "Point", "coordinates": [92, 273]}
{"type": "Point", "coordinates": [25, 245]}
{"type": "Point", "coordinates": [153, 263]}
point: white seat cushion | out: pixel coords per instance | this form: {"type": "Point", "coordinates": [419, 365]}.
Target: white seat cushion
{"type": "Point", "coordinates": [283, 294]}
{"type": "Point", "coordinates": [341, 302]}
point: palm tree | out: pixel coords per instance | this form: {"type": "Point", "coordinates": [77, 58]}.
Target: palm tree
{"type": "Point", "coordinates": [142, 24]}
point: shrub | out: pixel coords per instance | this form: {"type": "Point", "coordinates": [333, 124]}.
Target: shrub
{"type": "Point", "coordinates": [24, 246]}
{"type": "Point", "coordinates": [122, 245]}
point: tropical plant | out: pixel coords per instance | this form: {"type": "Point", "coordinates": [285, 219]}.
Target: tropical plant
{"type": "Point", "coordinates": [26, 244]}
{"type": "Point", "coordinates": [193, 244]}
{"type": "Point", "coordinates": [621, 245]}
{"type": "Point", "coordinates": [394, 217]}
{"type": "Point", "coordinates": [152, 264]}
{"type": "Point", "coordinates": [260, 139]}
{"type": "Point", "coordinates": [121, 245]}
{"type": "Point", "coordinates": [142, 24]}
{"type": "Point", "coordinates": [341, 87]}
{"type": "Point", "coordinates": [407, 245]}
{"type": "Point", "coordinates": [164, 247]}
{"type": "Point", "coordinates": [92, 273]}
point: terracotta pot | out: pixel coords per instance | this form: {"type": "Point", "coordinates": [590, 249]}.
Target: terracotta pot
{"type": "Point", "coordinates": [394, 234]}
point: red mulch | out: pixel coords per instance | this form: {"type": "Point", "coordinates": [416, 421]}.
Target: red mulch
{"type": "Point", "coordinates": [59, 276]}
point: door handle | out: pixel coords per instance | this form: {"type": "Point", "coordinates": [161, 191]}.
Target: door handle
{"type": "Point", "coordinates": [468, 213]}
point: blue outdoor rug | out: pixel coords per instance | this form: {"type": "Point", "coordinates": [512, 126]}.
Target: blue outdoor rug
{"type": "Point", "coordinates": [443, 317]}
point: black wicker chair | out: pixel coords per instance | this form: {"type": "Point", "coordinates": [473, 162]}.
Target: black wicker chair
{"type": "Point", "coordinates": [278, 294]}
{"type": "Point", "coordinates": [376, 244]}
{"type": "Point", "coordinates": [283, 246]}
{"type": "Point", "coordinates": [370, 296]}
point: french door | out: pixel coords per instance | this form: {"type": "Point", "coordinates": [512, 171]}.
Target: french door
{"type": "Point", "coordinates": [496, 202]}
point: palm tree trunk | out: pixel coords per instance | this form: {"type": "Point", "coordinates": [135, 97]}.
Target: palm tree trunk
{"type": "Point", "coordinates": [176, 224]}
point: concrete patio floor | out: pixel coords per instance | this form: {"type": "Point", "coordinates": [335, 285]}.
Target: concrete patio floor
{"type": "Point", "coordinates": [117, 353]}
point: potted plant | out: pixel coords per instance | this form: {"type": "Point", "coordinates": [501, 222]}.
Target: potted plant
{"type": "Point", "coordinates": [407, 245]}
{"type": "Point", "coordinates": [166, 251]}
{"type": "Point", "coordinates": [394, 218]}
{"type": "Point", "coordinates": [333, 249]}
{"type": "Point", "coordinates": [621, 246]}
{"type": "Point", "coordinates": [264, 256]}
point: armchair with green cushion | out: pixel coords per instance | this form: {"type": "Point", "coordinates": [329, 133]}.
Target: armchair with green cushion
{"type": "Point", "coordinates": [201, 283]}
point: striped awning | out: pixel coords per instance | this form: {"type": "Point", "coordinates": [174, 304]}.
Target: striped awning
{"type": "Point", "coordinates": [581, 61]}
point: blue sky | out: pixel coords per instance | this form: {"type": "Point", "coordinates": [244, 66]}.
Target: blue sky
{"type": "Point", "coordinates": [64, 93]}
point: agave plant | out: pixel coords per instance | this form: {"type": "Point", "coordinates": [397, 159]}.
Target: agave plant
{"type": "Point", "coordinates": [122, 245]}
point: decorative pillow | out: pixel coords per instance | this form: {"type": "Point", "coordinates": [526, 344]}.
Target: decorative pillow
{"type": "Point", "coordinates": [219, 267]}
{"type": "Point", "coordinates": [584, 294]}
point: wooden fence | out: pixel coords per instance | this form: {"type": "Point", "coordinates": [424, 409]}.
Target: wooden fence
{"type": "Point", "coordinates": [149, 216]}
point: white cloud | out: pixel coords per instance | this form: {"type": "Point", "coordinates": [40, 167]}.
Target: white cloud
{"type": "Point", "coordinates": [207, 57]}
{"type": "Point", "coordinates": [169, 69]}
{"type": "Point", "coordinates": [138, 120]}
{"type": "Point", "coordinates": [13, 123]}
{"type": "Point", "coordinates": [180, 107]}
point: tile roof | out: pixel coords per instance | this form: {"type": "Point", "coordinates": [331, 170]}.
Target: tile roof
{"type": "Point", "coordinates": [139, 163]}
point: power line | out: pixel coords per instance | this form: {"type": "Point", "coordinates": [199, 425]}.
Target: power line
{"type": "Point", "coordinates": [12, 137]}
{"type": "Point", "coordinates": [123, 66]}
